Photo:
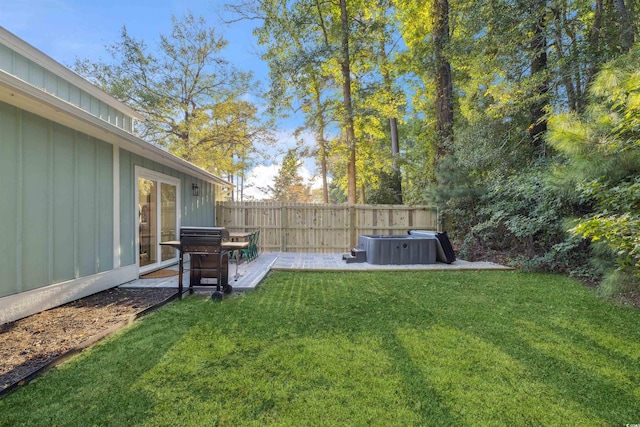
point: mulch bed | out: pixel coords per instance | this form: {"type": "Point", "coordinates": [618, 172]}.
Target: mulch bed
{"type": "Point", "coordinates": [29, 344]}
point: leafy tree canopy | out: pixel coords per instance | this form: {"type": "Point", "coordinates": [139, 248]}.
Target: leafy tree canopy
{"type": "Point", "coordinates": [196, 104]}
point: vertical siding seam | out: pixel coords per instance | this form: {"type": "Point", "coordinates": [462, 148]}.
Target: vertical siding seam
{"type": "Point", "coordinates": [97, 229]}
{"type": "Point", "coordinates": [13, 63]}
{"type": "Point", "coordinates": [178, 206]}
{"type": "Point", "coordinates": [19, 199]}
{"type": "Point", "coordinates": [50, 212]}
{"type": "Point", "coordinates": [76, 207]}
{"type": "Point", "coordinates": [116, 207]}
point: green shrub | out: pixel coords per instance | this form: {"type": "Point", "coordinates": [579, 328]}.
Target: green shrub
{"type": "Point", "coordinates": [523, 216]}
{"type": "Point", "coordinates": [603, 151]}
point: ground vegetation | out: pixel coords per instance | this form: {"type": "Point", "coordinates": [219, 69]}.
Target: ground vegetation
{"type": "Point", "coordinates": [362, 348]}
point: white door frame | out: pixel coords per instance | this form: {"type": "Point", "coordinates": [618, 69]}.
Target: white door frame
{"type": "Point", "coordinates": [160, 178]}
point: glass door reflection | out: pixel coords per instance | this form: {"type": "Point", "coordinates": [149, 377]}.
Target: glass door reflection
{"type": "Point", "coordinates": [147, 196]}
{"type": "Point", "coordinates": [168, 219]}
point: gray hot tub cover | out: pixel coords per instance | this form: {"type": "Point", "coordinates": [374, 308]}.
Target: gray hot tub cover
{"type": "Point", "coordinates": [444, 250]}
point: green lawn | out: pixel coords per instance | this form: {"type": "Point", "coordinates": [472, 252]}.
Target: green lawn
{"type": "Point", "coordinates": [358, 349]}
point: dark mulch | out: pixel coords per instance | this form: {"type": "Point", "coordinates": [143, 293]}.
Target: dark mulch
{"type": "Point", "coordinates": [29, 344]}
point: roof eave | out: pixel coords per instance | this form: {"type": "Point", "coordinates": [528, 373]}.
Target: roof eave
{"type": "Point", "coordinates": [21, 94]}
{"type": "Point", "coordinates": [25, 49]}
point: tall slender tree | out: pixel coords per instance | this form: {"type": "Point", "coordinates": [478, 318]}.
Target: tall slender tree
{"type": "Point", "coordinates": [426, 32]}
{"type": "Point", "coordinates": [349, 128]}
{"type": "Point", "coordinates": [443, 78]}
{"type": "Point", "coordinates": [538, 48]}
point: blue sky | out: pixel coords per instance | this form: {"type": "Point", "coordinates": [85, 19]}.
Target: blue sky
{"type": "Point", "coordinates": [70, 29]}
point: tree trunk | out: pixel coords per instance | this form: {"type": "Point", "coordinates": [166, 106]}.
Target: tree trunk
{"type": "Point", "coordinates": [323, 170]}
{"type": "Point", "coordinates": [363, 198]}
{"type": "Point", "coordinates": [322, 144]}
{"type": "Point", "coordinates": [627, 28]}
{"type": "Point", "coordinates": [395, 150]}
{"type": "Point", "coordinates": [538, 126]}
{"type": "Point", "coordinates": [444, 83]}
{"type": "Point", "coordinates": [396, 180]}
{"type": "Point", "coordinates": [348, 109]}
{"type": "Point", "coordinates": [595, 42]}
{"type": "Point", "coordinates": [565, 72]}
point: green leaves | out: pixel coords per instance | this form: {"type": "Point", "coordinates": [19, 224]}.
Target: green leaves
{"type": "Point", "coordinates": [604, 145]}
{"type": "Point", "coordinates": [288, 185]}
{"type": "Point", "coordinates": [193, 99]}
{"type": "Point", "coordinates": [616, 222]}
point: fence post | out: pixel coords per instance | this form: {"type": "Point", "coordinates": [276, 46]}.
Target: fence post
{"type": "Point", "coordinates": [283, 228]}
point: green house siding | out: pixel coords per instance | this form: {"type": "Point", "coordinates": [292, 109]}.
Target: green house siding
{"type": "Point", "coordinates": [194, 211]}
{"type": "Point", "coordinates": [10, 204]}
{"type": "Point", "coordinates": [63, 206]}
{"type": "Point", "coordinates": [56, 199]}
{"type": "Point", "coordinates": [68, 169]}
{"type": "Point", "coordinates": [34, 233]}
{"type": "Point", "coordinates": [15, 64]}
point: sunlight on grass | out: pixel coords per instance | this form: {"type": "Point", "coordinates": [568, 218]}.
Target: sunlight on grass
{"type": "Point", "coordinates": [481, 382]}
{"type": "Point", "coordinates": [580, 354]}
{"type": "Point", "coordinates": [606, 336]}
{"type": "Point", "coordinates": [293, 382]}
{"type": "Point", "coordinates": [359, 349]}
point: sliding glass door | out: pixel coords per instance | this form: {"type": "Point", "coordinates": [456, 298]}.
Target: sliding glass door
{"type": "Point", "coordinates": [157, 218]}
{"type": "Point", "coordinates": [148, 215]}
{"type": "Point", "coordinates": [168, 219]}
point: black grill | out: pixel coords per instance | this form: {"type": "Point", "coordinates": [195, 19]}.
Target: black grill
{"type": "Point", "coordinates": [208, 259]}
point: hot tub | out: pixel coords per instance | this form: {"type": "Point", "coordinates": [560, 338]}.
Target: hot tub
{"type": "Point", "coordinates": [392, 249]}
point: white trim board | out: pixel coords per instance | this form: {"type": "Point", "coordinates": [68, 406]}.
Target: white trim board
{"type": "Point", "coordinates": [141, 172]}
{"type": "Point", "coordinates": [23, 304]}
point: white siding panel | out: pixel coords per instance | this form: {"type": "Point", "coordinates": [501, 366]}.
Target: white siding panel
{"type": "Point", "coordinates": [94, 106]}
{"type": "Point", "coordinates": [6, 59]}
{"type": "Point", "coordinates": [50, 83]}
{"type": "Point", "coordinates": [21, 68]}
{"type": "Point", "coordinates": [64, 90]}
{"type": "Point", "coordinates": [37, 76]}
{"type": "Point", "coordinates": [85, 101]}
{"type": "Point", "coordinates": [15, 307]}
{"type": "Point", "coordinates": [74, 96]}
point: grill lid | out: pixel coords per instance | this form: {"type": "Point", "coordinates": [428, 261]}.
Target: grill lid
{"type": "Point", "coordinates": [204, 232]}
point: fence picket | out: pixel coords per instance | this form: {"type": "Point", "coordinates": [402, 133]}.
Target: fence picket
{"type": "Point", "coordinates": [294, 227]}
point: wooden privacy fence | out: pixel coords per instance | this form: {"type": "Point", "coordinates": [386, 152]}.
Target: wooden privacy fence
{"type": "Point", "coordinates": [321, 228]}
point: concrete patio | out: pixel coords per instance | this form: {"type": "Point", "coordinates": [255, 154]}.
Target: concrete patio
{"type": "Point", "coordinates": [250, 274]}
